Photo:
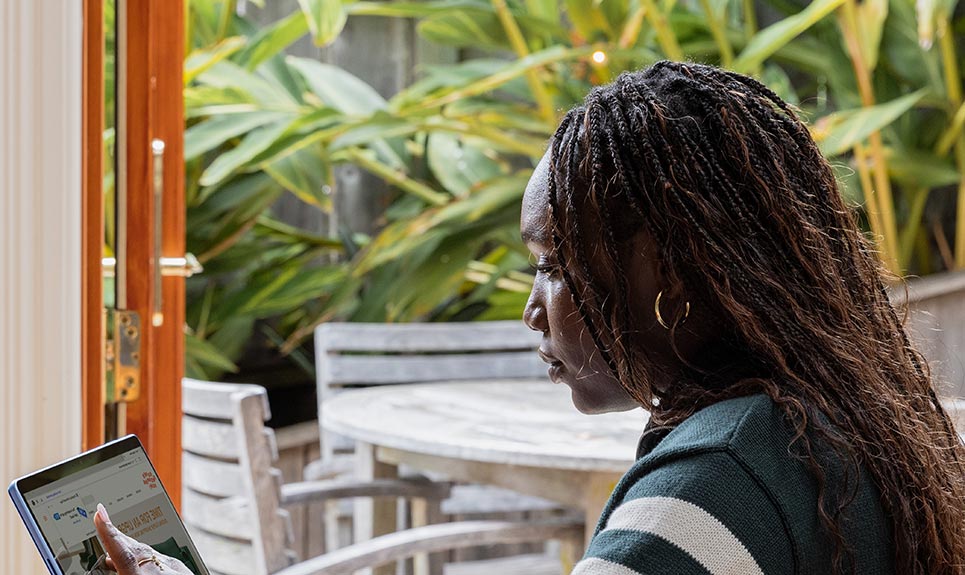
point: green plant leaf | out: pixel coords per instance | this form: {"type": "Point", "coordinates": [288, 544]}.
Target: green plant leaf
{"type": "Point", "coordinates": [928, 12]}
{"type": "Point", "coordinates": [497, 79]}
{"type": "Point", "coordinates": [871, 16]}
{"type": "Point", "coordinates": [251, 145]}
{"type": "Point", "coordinates": [210, 134]}
{"type": "Point", "coordinates": [368, 160]}
{"type": "Point", "coordinates": [478, 28]}
{"type": "Point", "coordinates": [207, 355]}
{"type": "Point", "coordinates": [276, 71]}
{"type": "Point", "coordinates": [326, 18]}
{"type": "Point", "coordinates": [338, 88]}
{"type": "Point", "coordinates": [227, 74]}
{"type": "Point", "coordinates": [439, 79]}
{"type": "Point", "coordinates": [271, 40]}
{"type": "Point", "coordinates": [306, 174]}
{"type": "Point", "coordinates": [281, 232]}
{"type": "Point", "coordinates": [588, 19]}
{"type": "Point", "coordinates": [231, 228]}
{"type": "Point", "coordinates": [446, 16]}
{"type": "Point", "coordinates": [458, 165]}
{"type": "Point", "coordinates": [544, 9]}
{"type": "Point", "coordinates": [210, 100]}
{"type": "Point", "coordinates": [277, 290]}
{"type": "Point", "coordinates": [775, 78]}
{"type": "Point", "coordinates": [200, 60]}
{"type": "Point", "coordinates": [403, 238]}
{"type": "Point", "coordinates": [491, 197]}
{"type": "Point", "coordinates": [840, 131]}
{"type": "Point", "coordinates": [504, 305]}
{"type": "Point", "coordinates": [216, 200]}
{"type": "Point", "coordinates": [777, 35]}
{"type": "Point", "coordinates": [921, 169]}
{"type": "Point", "coordinates": [414, 9]}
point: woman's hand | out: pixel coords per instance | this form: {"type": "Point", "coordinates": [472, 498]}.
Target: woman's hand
{"type": "Point", "coordinates": [131, 557]}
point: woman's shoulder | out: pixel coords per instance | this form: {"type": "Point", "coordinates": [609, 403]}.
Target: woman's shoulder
{"type": "Point", "coordinates": [689, 506]}
{"type": "Point", "coordinates": [739, 423]}
{"type": "Point", "coordinates": [698, 513]}
{"type": "Point", "coordinates": [721, 493]}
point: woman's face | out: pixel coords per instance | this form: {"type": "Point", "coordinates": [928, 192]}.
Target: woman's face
{"type": "Point", "coordinates": [567, 346]}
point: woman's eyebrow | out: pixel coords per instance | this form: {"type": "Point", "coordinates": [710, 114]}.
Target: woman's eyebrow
{"type": "Point", "coordinates": [539, 237]}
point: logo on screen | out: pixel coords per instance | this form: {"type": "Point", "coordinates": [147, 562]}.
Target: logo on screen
{"type": "Point", "coordinates": [148, 478]}
{"type": "Point", "coordinates": [56, 516]}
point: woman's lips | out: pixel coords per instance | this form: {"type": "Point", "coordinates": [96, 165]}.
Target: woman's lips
{"type": "Point", "coordinates": [555, 368]}
{"type": "Point", "coordinates": [548, 358]}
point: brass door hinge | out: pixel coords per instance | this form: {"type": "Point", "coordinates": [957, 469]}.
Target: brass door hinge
{"type": "Point", "coordinates": [122, 356]}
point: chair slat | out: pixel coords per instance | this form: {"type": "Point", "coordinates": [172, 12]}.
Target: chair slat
{"type": "Point", "coordinates": [213, 400]}
{"type": "Point", "coordinates": [262, 481]}
{"type": "Point", "coordinates": [228, 556]}
{"type": "Point", "coordinates": [426, 337]}
{"type": "Point", "coordinates": [229, 517]}
{"type": "Point", "coordinates": [210, 438]}
{"type": "Point", "coordinates": [375, 370]}
{"type": "Point", "coordinates": [432, 538]}
{"type": "Point", "coordinates": [532, 564]}
{"type": "Point", "coordinates": [474, 498]}
{"type": "Point", "coordinates": [213, 477]}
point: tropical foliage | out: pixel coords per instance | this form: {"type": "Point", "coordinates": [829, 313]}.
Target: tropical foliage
{"type": "Point", "coordinates": [879, 82]}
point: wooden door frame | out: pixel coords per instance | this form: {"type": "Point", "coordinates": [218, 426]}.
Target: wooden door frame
{"type": "Point", "coordinates": [154, 110]}
{"type": "Point", "coordinates": [92, 226]}
{"type": "Point", "coordinates": [163, 426]}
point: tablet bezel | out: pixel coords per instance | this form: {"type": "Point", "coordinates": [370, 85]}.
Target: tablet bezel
{"type": "Point", "coordinates": [76, 464]}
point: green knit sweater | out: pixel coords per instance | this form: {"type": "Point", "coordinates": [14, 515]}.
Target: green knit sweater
{"type": "Point", "coordinates": [721, 495]}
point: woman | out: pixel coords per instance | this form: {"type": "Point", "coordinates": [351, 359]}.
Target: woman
{"type": "Point", "coordinates": [694, 258]}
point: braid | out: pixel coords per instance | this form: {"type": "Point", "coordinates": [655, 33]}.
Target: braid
{"type": "Point", "coordinates": [559, 244]}
{"type": "Point", "coordinates": [745, 213]}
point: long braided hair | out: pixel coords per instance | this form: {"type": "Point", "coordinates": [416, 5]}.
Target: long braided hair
{"type": "Point", "coordinates": [747, 220]}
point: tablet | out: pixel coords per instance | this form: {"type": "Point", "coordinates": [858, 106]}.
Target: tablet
{"type": "Point", "coordinates": [57, 504]}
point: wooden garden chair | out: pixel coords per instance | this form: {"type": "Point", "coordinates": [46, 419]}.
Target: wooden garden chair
{"type": "Point", "coordinates": [233, 500]}
{"type": "Point", "coordinates": [352, 355]}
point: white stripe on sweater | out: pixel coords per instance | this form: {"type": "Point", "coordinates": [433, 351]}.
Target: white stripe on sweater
{"type": "Point", "coordinates": [689, 527]}
{"type": "Point", "coordinates": [597, 566]}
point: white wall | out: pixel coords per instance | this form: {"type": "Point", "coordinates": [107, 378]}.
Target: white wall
{"type": "Point", "coordinates": [40, 206]}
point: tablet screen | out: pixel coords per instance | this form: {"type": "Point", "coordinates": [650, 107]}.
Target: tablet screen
{"type": "Point", "coordinates": [127, 485]}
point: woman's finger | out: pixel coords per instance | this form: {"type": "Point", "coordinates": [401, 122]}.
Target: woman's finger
{"type": "Point", "coordinates": [174, 564]}
{"type": "Point", "coordinates": [121, 549]}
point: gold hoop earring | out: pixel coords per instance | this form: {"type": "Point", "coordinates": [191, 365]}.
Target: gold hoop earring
{"type": "Point", "coordinates": [656, 310]}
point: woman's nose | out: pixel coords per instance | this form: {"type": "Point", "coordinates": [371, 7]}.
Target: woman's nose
{"type": "Point", "coordinates": [534, 314]}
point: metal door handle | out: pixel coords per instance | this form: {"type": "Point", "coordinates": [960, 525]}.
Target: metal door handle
{"type": "Point", "coordinates": [157, 151]}
{"type": "Point", "coordinates": [183, 267]}
{"type": "Point", "coordinates": [170, 267]}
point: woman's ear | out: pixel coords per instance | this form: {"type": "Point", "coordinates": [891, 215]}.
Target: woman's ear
{"type": "Point", "coordinates": [645, 260]}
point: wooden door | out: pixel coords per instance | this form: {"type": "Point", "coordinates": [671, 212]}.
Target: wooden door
{"type": "Point", "coordinates": [149, 208]}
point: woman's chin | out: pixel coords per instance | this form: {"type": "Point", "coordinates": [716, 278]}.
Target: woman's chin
{"type": "Point", "coordinates": [555, 372]}
{"type": "Point", "coordinates": [588, 404]}
{"type": "Point", "coordinates": [590, 401]}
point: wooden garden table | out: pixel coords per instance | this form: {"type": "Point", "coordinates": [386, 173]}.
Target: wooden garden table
{"type": "Point", "coordinates": [521, 435]}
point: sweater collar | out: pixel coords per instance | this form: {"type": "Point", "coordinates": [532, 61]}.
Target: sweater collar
{"type": "Point", "coordinates": [652, 436]}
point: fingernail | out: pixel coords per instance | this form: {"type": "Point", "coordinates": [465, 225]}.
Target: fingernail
{"type": "Point", "coordinates": [102, 511]}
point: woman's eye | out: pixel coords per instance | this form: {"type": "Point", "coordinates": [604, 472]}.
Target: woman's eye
{"type": "Point", "coordinates": [549, 268]}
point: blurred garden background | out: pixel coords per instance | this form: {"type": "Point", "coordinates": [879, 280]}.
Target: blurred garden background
{"type": "Point", "coordinates": [364, 161]}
